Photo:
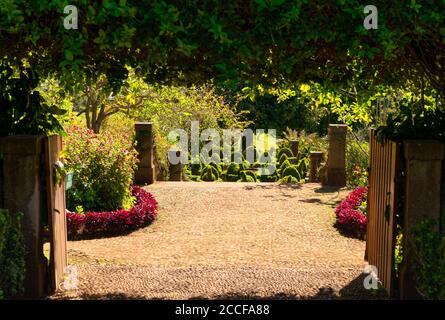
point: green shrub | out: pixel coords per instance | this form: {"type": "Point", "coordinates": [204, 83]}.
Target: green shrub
{"type": "Point", "coordinates": [12, 255]}
{"type": "Point", "coordinates": [284, 165]}
{"type": "Point", "coordinates": [286, 151]}
{"type": "Point", "coordinates": [103, 166]}
{"type": "Point", "coordinates": [429, 249]}
{"type": "Point", "coordinates": [293, 160]}
{"type": "Point", "coordinates": [293, 172]}
{"type": "Point", "coordinates": [282, 158]}
{"type": "Point", "coordinates": [195, 168]}
{"type": "Point", "coordinates": [248, 176]}
{"type": "Point", "coordinates": [194, 178]}
{"type": "Point", "coordinates": [233, 168]}
{"type": "Point", "coordinates": [209, 173]}
{"type": "Point", "coordinates": [289, 179]}
{"type": "Point", "coordinates": [217, 167]}
{"type": "Point", "coordinates": [268, 178]}
{"type": "Point", "coordinates": [170, 107]}
{"type": "Point", "coordinates": [303, 166]}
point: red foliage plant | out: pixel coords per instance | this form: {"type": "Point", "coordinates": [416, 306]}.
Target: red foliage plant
{"type": "Point", "coordinates": [349, 216]}
{"type": "Point", "coordinates": [114, 222]}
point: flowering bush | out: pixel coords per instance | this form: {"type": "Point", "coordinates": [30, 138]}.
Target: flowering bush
{"type": "Point", "coordinates": [351, 212]}
{"type": "Point", "coordinates": [114, 222]}
{"type": "Point", "coordinates": [103, 166]}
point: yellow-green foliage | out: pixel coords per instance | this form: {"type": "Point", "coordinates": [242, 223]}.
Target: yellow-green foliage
{"type": "Point", "coordinates": [172, 108]}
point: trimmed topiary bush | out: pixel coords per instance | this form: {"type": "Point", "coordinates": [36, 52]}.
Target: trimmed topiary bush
{"type": "Point", "coordinates": [282, 158]}
{"type": "Point", "coordinates": [195, 168]}
{"type": "Point", "coordinates": [268, 178]}
{"type": "Point", "coordinates": [293, 172]}
{"type": "Point", "coordinates": [293, 160]}
{"type": "Point", "coordinates": [248, 176]}
{"type": "Point", "coordinates": [283, 166]}
{"type": "Point", "coordinates": [286, 151]}
{"type": "Point", "coordinates": [209, 173]}
{"type": "Point", "coordinates": [217, 167]}
{"type": "Point", "coordinates": [233, 168]}
{"type": "Point", "coordinates": [303, 166]}
{"type": "Point", "coordinates": [194, 178]}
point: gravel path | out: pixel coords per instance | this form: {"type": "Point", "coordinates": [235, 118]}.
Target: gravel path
{"type": "Point", "coordinates": [226, 240]}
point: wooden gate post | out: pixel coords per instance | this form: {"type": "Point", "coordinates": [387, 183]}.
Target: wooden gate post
{"type": "Point", "coordinates": [56, 205]}
{"type": "Point", "coordinates": [145, 172]}
{"type": "Point", "coordinates": [422, 200]}
{"type": "Point", "coordinates": [336, 163]}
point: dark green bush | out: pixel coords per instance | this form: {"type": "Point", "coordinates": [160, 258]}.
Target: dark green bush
{"type": "Point", "coordinates": [284, 165]}
{"type": "Point", "coordinates": [209, 173]}
{"type": "Point", "coordinates": [282, 158]}
{"type": "Point", "coordinates": [286, 151]}
{"type": "Point", "coordinates": [248, 176]}
{"type": "Point", "coordinates": [12, 255]}
{"type": "Point", "coordinates": [293, 172]}
{"type": "Point", "coordinates": [233, 168]}
{"type": "Point", "coordinates": [195, 168]}
{"type": "Point", "coordinates": [268, 178]}
{"type": "Point", "coordinates": [429, 249]}
{"type": "Point", "coordinates": [218, 167]}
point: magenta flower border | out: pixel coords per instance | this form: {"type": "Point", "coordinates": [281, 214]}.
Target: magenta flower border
{"type": "Point", "coordinates": [349, 218]}
{"type": "Point", "coordinates": [115, 222]}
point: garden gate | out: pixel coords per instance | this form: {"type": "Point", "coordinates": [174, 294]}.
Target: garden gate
{"type": "Point", "coordinates": [381, 211]}
{"type": "Point", "coordinates": [56, 211]}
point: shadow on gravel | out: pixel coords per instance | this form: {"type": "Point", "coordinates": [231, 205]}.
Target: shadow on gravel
{"type": "Point", "coordinates": [326, 189]}
{"type": "Point", "coordinates": [353, 291]}
{"type": "Point", "coordinates": [273, 185]}
{"type": "Point", "coordinates": [312, 200]}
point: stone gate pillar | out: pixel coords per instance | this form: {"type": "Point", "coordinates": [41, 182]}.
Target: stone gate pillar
{"type": "Point", "coordinates": [22, 191]}
{"type": "Point", "coordinates": [316, 157]}
{"type": "Point", "coordinates": [294, 147]}
{"type": "Point", "coordinates": [336, 163]}
{"type": "Point", "coordinates": [145, 172]}
{"type": "Point", "coordinates": [421, 201]}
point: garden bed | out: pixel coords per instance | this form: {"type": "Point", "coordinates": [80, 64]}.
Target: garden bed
{"type": "Point", "coordinates": [110, 223]}
{"type": "Point", "coordinates": [351, 213]}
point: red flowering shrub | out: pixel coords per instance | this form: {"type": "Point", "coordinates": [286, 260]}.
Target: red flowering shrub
{"type": "Point", "coordinates": [351, 213]}
{"type": "Point", "coordinates": [113, 222]}
{"type": "Point", "coordinates": [103, 166]}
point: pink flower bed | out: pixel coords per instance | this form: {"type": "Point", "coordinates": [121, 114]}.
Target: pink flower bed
{"type": "Point", "coordinates": [114, 222]}
{"type": "Point", "coordinates": [349, 217]}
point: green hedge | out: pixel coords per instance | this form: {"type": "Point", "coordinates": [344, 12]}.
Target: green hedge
{"type": "Point", "coordinates": [12, 255]}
